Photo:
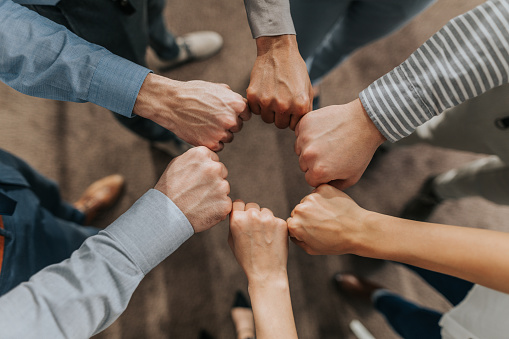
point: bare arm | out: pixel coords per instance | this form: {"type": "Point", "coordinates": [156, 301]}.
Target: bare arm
{"type": "Point", "coordinates": [260, 243]}
{"type": "Point", "coordinates": [330, 222]}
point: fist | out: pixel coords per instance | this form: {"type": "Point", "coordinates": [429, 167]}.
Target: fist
{"type": "Point", "coordinates": [335, 144]}
{"type": "Point", "coordinates": [326, 222]}
{"type": "Point", "coordinates": [196, 183]}
{"type": "Point", "coordinates": [259, 241]}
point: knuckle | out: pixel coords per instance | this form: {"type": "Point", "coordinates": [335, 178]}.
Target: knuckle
{"type": "Point", "coordinates": [265, 101]}
{"type": "Point", "coordinates": [281, 106]}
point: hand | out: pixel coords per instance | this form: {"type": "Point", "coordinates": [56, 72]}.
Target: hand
{"type": "Point", "coordinates": [335, 144]}
{"type": "Point", "coordinates": [199, 112]}
{"type": "Point", "coordinates": [259, 241]}
{"type": "Point", "coordinates": [195, 182]}
{"type": "Point", "coordinates": [327, 222]}
{"type": "Point", "coordinates": [280, 89]}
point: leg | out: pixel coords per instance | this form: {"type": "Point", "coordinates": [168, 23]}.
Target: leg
{"type": "Point", "coordinates": [408, 319]}
{"type": "Point", "coordinates": [365, 21]}
{"type": "Point", "coordinates": [452, 288]}
{"type": "Point", "coordinates": [46, 190]}
{"type": "Point", "coordinates": [470, 126]}
{"type": "Point", "coordinates": [313, 19]}
{"type": "Point", "coordinates": [161, 40]}
{"type": "Point", "coordinates": [487, 178]}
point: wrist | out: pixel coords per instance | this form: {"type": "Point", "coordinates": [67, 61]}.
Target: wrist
{"type": "Point", "coordinates": [376, 137]}
{"type": "Point", "coordinates": [265, 44]}
{"type": "Point", "coordinates": [155, 88]}
{"type": "Point", "coordinates": [261, 285]}
{"type": "Point", "coordinates": [374, 236]}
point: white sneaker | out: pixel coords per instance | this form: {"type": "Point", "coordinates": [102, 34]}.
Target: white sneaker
{"type": "Point", "coordinates": [193, 46]}
{"type": "Point", "coordinates": [173, 147]}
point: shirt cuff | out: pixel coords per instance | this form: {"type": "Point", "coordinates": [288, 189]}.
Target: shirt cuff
{"type": "Point", "coordinates": [116, 84]}
{"type": "Point", "coordinates": [269, 17]}
{"type": "Point", "coordinates": [395, 104]}
{"type": "Point", "coordinates": [151, 230]}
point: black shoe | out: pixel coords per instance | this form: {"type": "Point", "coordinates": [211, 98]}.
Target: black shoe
{"type": "Point", "coordinates": [421, 206]}
{"type": "Point", "coordinates": [205, 335]}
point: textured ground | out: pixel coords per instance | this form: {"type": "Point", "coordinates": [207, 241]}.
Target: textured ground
{"type": "Point", "coordinates": [76, 144]}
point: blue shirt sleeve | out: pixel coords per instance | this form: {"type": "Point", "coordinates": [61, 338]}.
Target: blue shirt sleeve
{"type": "Point", "coordinates": [43, 59]}
{"type": "Point", "coordinates": [83, 295]}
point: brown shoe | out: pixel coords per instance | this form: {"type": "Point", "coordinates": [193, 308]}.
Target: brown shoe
{"type": "Point", "coordinates": [355, 286]}
{"type": "Point", "coordinates": [99, 196]}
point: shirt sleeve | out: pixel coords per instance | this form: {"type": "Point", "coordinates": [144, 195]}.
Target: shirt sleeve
{"type": "Point", "coordinates": [269, 17]}
{"type": "Point", "coordinates": [83, 295]}
{"type": "Point", "coordinates": [466, 58]}
{"type": "Point", "coordinates": [44, 59]}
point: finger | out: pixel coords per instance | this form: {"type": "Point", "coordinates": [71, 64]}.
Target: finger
{"type": "Point", "coordinates": [214, 156]}
{"type": "Point", "coordinates": [255, 108]}
{"type": "Point", "coordinates": [225, 86]}
{"type": "Point", "coordinates": [245, 115]}
{"type": "Point", "coordinates": [298, 146]}
{"type": "Point", "coordinates": [299, 243]}
{"type": "Point", "coordinates": [297, 126]}
{"type": "Point", "coordinates": [302, 164]}
{"type": "Point", "coordinates": [252, 205]}
{"type": "Point", "coordinates": [218, 147]}
{"type": "Point", "coordinates": [267, 212]}
{"type": "Point", "coordinates": [238, 205]}
{"type": "Point", "coordinates": [294, 122]}
{"type": "Point", "coordinates": [228, 138]}
{"type": "Point", "coordinates": [238, 127]}
{"type": "Point", "coordinates": [343, 184]}
{"type": "Point", "coordinates": [268, 116]}
{"type": "Point", "coordinates": [224, 171]}
{"type": "Point", "coordinates": [282, 120]}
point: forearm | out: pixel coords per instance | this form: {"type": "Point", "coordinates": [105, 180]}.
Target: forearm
{"type": "Point", "coordinates": [43, 59]}
{"type": "Point", "coordinates": [272, 308]}
{"type": "Point", "coordinates": [466, 58]}
{"type": "Point", "coordinates": [83, 295]}
{"type": "Point", "coordinates": [476, 255]}
{"type": "Point", "coordinates": [269, 17]}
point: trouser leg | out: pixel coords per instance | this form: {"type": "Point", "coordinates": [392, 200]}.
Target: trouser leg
{"type": "Point", "coordinates": [472, 127]}
{"type": "Point", "coordinates": [409, 320]}
{"type": "Point", "coordinates": [452, 288]}
{"type": "Point", "coordinates": [46, 190]}
{"type": "Point", "coordinates": [313, 20]}
{"type": "Point", "coordinates": [364, 22]}
{"type": "Point", "coordinates": [487, 178]}
{"type": "Point", "coordinates": [161, 40]}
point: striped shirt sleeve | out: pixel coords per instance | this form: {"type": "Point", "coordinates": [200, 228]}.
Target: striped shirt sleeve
{"type": "Point", "coordinates": [467, 57]}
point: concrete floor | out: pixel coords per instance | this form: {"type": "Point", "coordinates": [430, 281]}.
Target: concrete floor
{"type": "Point", "coordinates": [76, 144]}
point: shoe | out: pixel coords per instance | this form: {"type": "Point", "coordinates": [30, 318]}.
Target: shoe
{"type": "Point", "coordinates": [205, 335]}
{"type": "Point", "coordinates": [99, 196]}
{"type": "Point", "coordinates": [192, 46]}
{"type": "Point", "coordinates": [173, 147]}
{"type": "Point", "coordinates": [422, 205]}
{"type": "Point", "coordinates": [242, 316]}
{"type": "Point", "coordinates": [355, 286]}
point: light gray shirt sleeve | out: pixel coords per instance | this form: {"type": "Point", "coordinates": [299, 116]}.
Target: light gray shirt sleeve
{"type": "Point", "coordinates": [269, 17]}
{"type": "Point", "coordinates": [467, 57]}
{"type": "Point", "coordinates": [83, 295]}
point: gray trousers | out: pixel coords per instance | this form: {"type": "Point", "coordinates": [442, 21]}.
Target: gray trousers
{"type": "Point", "coordinates": [472, 127]}
{"type": "Point", "coordinates": [328, 31]}
{"type": "Point", "coordinates": [103, 22]}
